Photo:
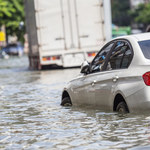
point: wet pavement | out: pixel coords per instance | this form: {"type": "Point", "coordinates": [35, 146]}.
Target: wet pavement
{"type": "Point", "coordinates": [31, 116]}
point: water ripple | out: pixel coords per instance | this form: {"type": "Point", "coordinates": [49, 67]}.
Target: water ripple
{"type": "Point", "coordinates": [32, 118]}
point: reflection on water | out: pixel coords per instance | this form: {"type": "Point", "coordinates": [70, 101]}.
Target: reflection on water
{"type": "Point", "coordinates": [31, 116]}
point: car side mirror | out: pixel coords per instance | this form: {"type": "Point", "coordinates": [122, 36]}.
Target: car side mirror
{"type": "Point", "coordinates": [85, 67]}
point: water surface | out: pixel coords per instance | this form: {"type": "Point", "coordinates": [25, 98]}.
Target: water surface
{"type": "Point", "coordinates": [31, 116]}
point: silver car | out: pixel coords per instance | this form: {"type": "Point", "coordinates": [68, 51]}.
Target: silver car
{"type": "Point", "coordinates": [118, 78]}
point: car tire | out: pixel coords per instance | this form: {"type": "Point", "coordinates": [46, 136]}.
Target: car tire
{"type": "Point", "coordinates": [66, 102]}
{"type": "Point", "coordinates": [122, 108]}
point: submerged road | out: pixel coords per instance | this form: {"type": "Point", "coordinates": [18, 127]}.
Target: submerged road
{"type": "Point", "coordinates": [31, 116]}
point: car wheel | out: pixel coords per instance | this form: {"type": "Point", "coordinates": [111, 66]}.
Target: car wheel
{"type": "Point", "coordinates": [66, 102]}
{"type": "Point", "coordinates": [122, 107]}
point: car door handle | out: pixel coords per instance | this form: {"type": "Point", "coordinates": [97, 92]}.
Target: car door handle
{"type": "Point", "coordinates": [115, 79]}
{"type": "Point", "coordinates": [93, 83]}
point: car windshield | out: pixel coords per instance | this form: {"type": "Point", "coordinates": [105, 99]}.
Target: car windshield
{"type": "Point", "coordinates": [145, 47]}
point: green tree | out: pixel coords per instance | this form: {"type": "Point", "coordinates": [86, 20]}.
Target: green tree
{"type": "Point", "coordinates": [120, 15]}
{"type": "Point", "coordinates": [141, 14]}
{"type": "Point", "coordinates": [11, 15]}
{"type": "Point", "coordinates": [6, 9]}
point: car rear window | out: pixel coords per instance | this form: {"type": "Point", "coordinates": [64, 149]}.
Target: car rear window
{"type": "Point", "coordinates": [145, 47]}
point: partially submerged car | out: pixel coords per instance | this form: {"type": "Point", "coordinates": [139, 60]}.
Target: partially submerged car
{"type": "Point", "coordinates": [14, 49]}
{"type": "Point", "coordinates": [118, 78]}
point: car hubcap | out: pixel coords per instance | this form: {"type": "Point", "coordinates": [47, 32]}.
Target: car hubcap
{"type": "Point", "coordinates": [121, 110]}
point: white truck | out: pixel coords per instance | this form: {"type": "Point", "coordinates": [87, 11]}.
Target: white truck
{"type": "Point", "coordinates": [66, 32]}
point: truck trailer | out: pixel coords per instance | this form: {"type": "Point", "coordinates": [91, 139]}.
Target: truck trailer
{"type": "Point", "coordinates": [66, 32]}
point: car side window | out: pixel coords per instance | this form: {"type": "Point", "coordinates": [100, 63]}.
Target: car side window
{"type": "Point", "coordinates": [99, 60]}
{"type": "Point", "coordinates": [120, 56]}
{"type": "Point", "coordinates": [127, 58]}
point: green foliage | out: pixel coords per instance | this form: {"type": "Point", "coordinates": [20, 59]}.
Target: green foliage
{"type": "Point", "coordinates": [11, 14]}
{"type": "Point", "coordinates": [141, 14]}
{"type": "Point", "coordinates": [6, 9]}
{"type": "Point", "coordinates": [120, 14]}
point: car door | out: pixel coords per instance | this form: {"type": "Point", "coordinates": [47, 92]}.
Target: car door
{"type": "Point", "coordinates": [83, 88]}
{"type": "Point", "coordinates": [107, 80]}
{"type": "Point", "coordinates": [91, 79]}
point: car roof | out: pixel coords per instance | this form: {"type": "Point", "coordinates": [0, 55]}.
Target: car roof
{"type": "Point", "coordinates": [137, 37]}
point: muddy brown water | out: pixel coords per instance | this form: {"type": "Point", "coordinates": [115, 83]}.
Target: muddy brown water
{"type": "Point", "coordinates": [31, 116]}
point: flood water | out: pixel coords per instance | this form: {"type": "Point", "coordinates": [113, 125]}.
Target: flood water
{"type": "Point", "coordinates": [31, 116]}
